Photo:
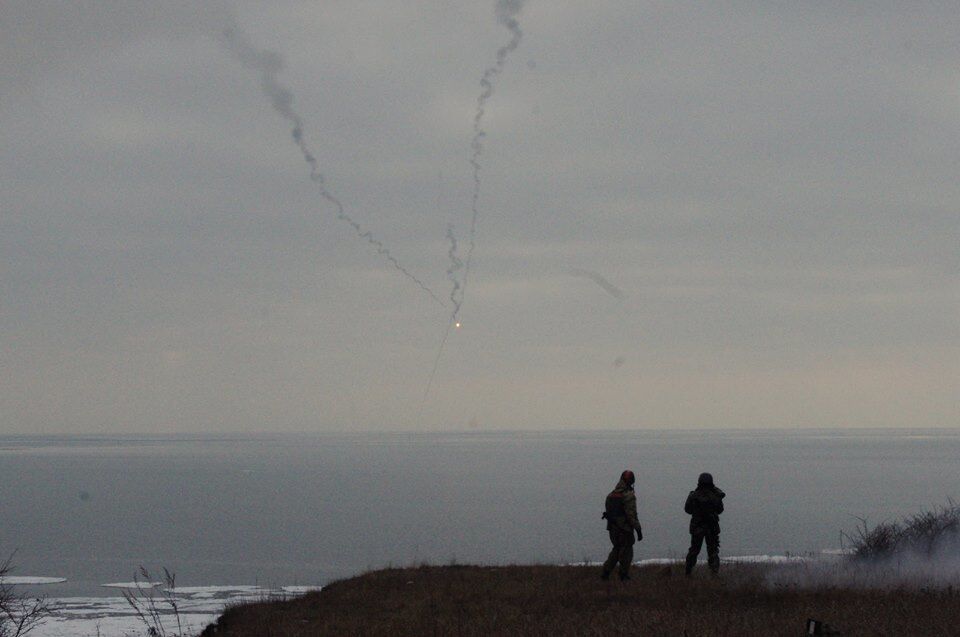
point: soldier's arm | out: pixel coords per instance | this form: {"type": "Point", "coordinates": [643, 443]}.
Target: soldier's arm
{"type": "Point", "coordinates": [688, 506]}
{"type": "Point", "coordinates": [630, 509]}
{"type": "Point", "coordinates": [720, 496]}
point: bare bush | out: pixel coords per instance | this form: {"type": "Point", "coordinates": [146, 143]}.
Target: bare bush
{"type": "Point", "coordinates": [151, 606]}
{"type": "Point", "coordinates": [924, 534]}
{"type": "Point", "coordinates": [18, 614]}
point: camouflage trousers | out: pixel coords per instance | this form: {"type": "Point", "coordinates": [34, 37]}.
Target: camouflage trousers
{"type": "Point", "coordinates": [697, 537]}
{"type": "Point", "coordinates": [622, 552]}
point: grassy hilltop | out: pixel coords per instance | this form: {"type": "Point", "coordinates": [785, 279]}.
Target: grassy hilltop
{"type": "Point", "coordinates": [572, 600]}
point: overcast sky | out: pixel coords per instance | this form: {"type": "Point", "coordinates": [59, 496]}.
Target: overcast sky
{"type": "Point", "coordinates": [724, 214]}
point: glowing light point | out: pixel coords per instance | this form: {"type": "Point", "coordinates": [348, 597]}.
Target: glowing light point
{"type": "Point", "coordinates": [457, 325]}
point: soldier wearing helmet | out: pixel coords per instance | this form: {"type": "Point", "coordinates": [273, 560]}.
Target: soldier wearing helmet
{"type": "Point", "coordinates": [621, 516]}
{"type": "Point", "coordinates": [704, 504]}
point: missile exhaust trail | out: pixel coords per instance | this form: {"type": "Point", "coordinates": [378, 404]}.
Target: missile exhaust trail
{"type": "Point", "coordinates": [506, 12]}
{"type": "Point", "coordinates": [268, 64]}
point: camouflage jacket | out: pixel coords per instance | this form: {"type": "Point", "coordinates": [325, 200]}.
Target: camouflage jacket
{"type": "Point", "coordinates": [621, 509]}
{"type": "Point", "coordinates": [705, 504]}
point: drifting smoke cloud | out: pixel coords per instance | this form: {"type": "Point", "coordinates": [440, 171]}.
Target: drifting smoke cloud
{"type": "Point", "coordinates": [908, 569]}
{"type": "Point", "coordinates": [922, 550]}
{"type": "Point", "coordinates": [269, 64]}
{"type": "Point", "coordinates": [610, 288]}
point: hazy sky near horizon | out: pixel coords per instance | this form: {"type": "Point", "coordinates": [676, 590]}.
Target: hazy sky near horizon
{"type": "Point", "coordinates": [772, 188]}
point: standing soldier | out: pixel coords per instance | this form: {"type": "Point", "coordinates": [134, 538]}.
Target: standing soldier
{"type": "Point", "coordinates": [621, 517]}
{"type": "Point", "coordinates": [704, 504]}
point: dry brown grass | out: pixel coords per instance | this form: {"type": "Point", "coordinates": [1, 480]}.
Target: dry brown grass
{"type": "Point", "coordinates": [570, 600]}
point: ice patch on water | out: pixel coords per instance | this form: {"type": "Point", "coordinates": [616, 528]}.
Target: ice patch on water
{"type": "Point", "coordinates": [194, 590]}
{"type": "Point", "coordinates": [197, 606]}
{"type": "Point", "coordinates": [113, 626]}
{"type": "Point", "coordinates": [232, 592]}
{"type": "Point", "coordinates": [31, 580]}
{"type": "Point", "coordinates": [766, 559]}
{"type": "Point", "coordinates": [132, 585]}
{"type": "Point", "coordinates": [299, 590]}
{"type": "Point", "coordinates": [837, 551]}
{"type": "Point", "coordinates": [653, 561]}
{"type": "Point", "coordinates": [114, 617]}
{"type": "Point", "coordinates": [732, 559]}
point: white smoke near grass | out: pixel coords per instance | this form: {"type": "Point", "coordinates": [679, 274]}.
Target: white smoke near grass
{"type": "Point", "coordinates": [907, 570]}
{"type": "Point", "coordinates": [920, 551]}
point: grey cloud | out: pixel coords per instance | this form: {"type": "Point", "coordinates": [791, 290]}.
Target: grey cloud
{"type": "Point", "coordinates": [775, 187]}
{"type": "Point", "coordinates": [39, 36]}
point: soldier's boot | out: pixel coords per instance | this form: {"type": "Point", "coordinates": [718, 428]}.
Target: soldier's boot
{"type": "Point", "coordinates": [713, 557]}
{"type": "Point", "coordinates": [626, 559]}
{"type": "Point", "coordinates": [696, 543]}
{"type": "Point", "coordinates": [611, 563]}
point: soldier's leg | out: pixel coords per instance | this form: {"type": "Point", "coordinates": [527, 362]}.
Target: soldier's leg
{"type": "Point", "coordinates": [612, 558]}
{"type": "Point", "coordinates": [713, 552]}
{"type": "Point", "coordinates": [626, 559]}
{"type": "Point", "coordinates": [696, 543]}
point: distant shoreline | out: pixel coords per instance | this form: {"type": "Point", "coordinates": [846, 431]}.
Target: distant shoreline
{"type": "Point", "coordinates": [226, 435]}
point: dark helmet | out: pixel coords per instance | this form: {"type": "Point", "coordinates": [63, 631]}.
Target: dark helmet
{"type": "Point", "coordinates": [705, 480]}
{"type": "Point", "coordinates": [628, 478]}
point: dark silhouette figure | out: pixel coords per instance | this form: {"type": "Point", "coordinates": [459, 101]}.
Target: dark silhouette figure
{"type": "Point", "coordinates": [621, 516]}
{"type": "Point", "coordinates": [704, 504]}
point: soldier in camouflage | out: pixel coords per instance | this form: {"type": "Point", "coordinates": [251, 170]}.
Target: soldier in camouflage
{"type": "Point", "coordinates": [621, 516]}
{"type": "Point", "coordinates": [704, 504]}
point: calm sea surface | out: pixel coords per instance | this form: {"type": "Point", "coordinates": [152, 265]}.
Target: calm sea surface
{"type": "Point", "coordinates": [303, 509]}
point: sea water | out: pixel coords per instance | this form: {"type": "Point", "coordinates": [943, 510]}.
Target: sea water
{"type": "Point", "coordinates": [246, 515]}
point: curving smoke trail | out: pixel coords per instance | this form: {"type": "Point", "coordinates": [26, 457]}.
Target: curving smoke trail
{"type": "Point", "coordinates": [506, 12]}
{"type": "Point", "coordinates": [269, 64]}
{"type": "Point", "coordinates": [599, 279]}
{"type": "Point", "coordinates": [456, 263]}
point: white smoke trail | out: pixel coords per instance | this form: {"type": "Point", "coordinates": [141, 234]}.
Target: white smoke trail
{"type": "Point", "coordinates": [506, 12]}
{"type": "Point", "coordinates": [599, 279]}
{"type": "Point", "coordinates": [456, 263]}
{"type": "Point", "coordinates": [268, 64]}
